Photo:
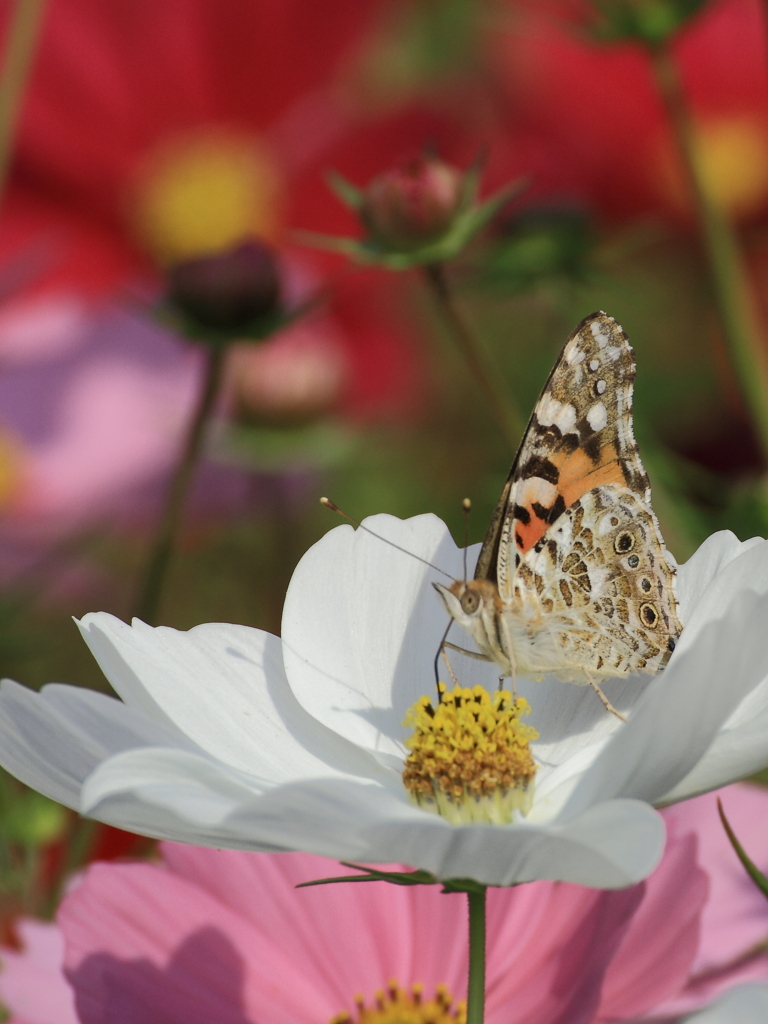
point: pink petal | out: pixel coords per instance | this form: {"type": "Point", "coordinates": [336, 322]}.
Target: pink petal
{"type": "Point", "coordinates": [655, 957]}
{"type": "Point", "coordinates": [355, 936]}
{"type": "Point", "coordinates": [735, 917]}
{"type": "Point", "coordinates": [550, 945]}
{"type": "Point", "coordinates": [32, 985]}
{"type": "Point", "coordinates": [142, 944]}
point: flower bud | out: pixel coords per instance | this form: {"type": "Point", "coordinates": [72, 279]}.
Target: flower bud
{"type": "Point", "coordinates": [412, 204]}
{"type": "Point", "coordinates": [295, 378]}
{"type": "Point", "coordinates": [226, 291]}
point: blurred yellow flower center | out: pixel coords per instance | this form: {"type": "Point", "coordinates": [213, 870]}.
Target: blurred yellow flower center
{"type": "Point", "coordinates": [12, 461]}
{"type": "Point", "coordinates": [204, 194]}
{"type": "Point", "coordinates": [396, 1006]}
{"type": "Point", "coordinates": [734, 162]}
{"type": "Point", "coordinates": [470, 757]}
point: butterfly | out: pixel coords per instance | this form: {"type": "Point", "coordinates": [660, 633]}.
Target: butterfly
{"type": "Point", "coordinates": [573, 578]}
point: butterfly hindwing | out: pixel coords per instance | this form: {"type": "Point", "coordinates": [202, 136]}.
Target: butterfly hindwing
{"type": "Point", "coordinates": [605, 584]}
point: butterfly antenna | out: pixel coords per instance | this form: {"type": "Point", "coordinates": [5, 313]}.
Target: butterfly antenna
{"type": "Point", "coordinates": [335, 508]}
{"type": "Point", "coordinates": [466, 506]}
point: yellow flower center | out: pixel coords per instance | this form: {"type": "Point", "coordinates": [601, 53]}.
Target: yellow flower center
{"type": "Point", "coordinates": [205, 193]}
{"type": "Point", "coordinates": [470, 757]}
{"type": "Point", "coordinates": [733, 153]}
{"type": "Point", "coordinates": [13, 470]}
{"type": "Point", "coordinates": [396, 1006]}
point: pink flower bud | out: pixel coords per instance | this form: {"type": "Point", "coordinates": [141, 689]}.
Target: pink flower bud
{"type": "Point", "coordinates": [412, 204]}
{"type": "Point", "coordinates": [295, 378]}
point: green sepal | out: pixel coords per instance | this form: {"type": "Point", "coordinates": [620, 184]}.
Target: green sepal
{"type": "Point", "coordinates": [652, 22]}
{"type": "Point", "coordinates": [399, 878]}
{"type": "Point", "coordinates": [344, 190]}
{"type": "Point", "coordinates": [373, 875]}
{"type": "Point", "coordinates": [467, 223]}
{"type": "Point", "coordinates": [749, 866]}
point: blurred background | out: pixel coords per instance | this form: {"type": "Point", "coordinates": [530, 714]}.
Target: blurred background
{"type": "Point", "coordinates": [167, 225]}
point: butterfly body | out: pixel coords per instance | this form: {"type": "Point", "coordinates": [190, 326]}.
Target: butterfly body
{"type": "Point", "coordinates": [573, 579]}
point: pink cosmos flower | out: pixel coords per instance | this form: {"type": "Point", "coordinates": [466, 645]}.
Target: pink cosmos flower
{"type": "Point", "coordinates": [224, 935]}
{"type": "Point", "coordinates": [90, 423]}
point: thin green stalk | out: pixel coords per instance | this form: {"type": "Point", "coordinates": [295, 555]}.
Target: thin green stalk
{"type": "Point", "coordinates": [738, 315]}
{"type": "Point", "coordinates": [155, 574]}
{"type": "Point", "coordinates": [476, 983]}
{"type": "Point", "coordinates": [486, 375]}
{"type": "Point", "coordinates": [17, 59]}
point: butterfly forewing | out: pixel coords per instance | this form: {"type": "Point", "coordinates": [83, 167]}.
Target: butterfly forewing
{"type": "Point", "coordinates": [579, 437]}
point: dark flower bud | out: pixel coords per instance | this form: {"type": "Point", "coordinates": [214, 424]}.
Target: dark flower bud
{"type": "Point", "coordinates": [413, 204]}
{"type": "Point", "coordinates": [226, 291]}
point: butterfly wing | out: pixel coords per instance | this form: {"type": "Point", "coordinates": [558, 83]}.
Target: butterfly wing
{"type": "Point", "coordinates": [579, 437]}
{"type": "Point", "coordinates": [605, 584]}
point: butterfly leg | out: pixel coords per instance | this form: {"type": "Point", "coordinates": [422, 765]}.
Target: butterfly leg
{"type": "Point", "coordinates": [448, 666]}
{"type": "Point", "coordinates": [608, 706]}
{"type": "Point", "coordinates": [444, 643]}
{"type": "Point", "coordinates": [463, 650]}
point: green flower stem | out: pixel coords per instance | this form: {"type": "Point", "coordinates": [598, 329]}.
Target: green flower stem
{"type": "Point", "coordinates": [476, 983]}
{"type": "Point", "coordinates": [486, 375]}
{"type": "Point", "coordinates": [162, 548]}
{"type": "Point", "coordinates": [738, 315]}
{"type": "Point", "coordinates": [17, 59]}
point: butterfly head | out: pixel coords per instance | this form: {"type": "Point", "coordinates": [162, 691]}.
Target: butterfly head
{"type": "Point", "coordinates": [475, 605]}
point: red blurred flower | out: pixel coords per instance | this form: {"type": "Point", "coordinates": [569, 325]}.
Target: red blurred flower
{"type": "Point", "coordinates": [174, 130]}
{"type": "Point", "coordinates": [588, 119]}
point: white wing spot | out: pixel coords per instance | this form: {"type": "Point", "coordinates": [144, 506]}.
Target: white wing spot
{"type": "Point", "coordinates": [575, 356]}
{"type": "Point", "coordinates": [600, 387]}
{"type": "Point", "coordinates": [561, 414]}
{"type": "Point", "coordinates": [535, 489]}
{"type": "Point", "coordinates": [566, 418]}
{"type": "Point", "coordinates": [601, 339]}
{"type": "Point", "coordinates": [613, 353]}
{"type": "Point", "coordinates": [594, 364]}
{"type": "Point", "coordinates": [597, 417]}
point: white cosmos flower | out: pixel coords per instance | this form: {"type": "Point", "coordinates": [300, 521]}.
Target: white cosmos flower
{"type": "Point", "coordinates": [228, 736]}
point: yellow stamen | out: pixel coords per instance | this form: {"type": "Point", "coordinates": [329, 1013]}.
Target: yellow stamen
{"type": "Point", "coordinates": [734, 156]}
{"type": "Point", "coordinates": [205, 193]}
{"type": "Point", "coordinates": [470, 758]}
{"type": "Point", "coordinates": [13, 471]}
{"type": "Point", "coordinates": [398, 1006]}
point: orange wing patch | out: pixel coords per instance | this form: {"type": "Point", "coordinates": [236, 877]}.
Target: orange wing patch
{"type": "Point", "coordinates": [540, 501]}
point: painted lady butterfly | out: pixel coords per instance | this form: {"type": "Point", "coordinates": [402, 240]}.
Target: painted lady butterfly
{"type": "Point", "coordinates": [573, 579]}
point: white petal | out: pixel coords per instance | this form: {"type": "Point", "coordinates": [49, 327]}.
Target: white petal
{"type": "Point", "coordinates": [609, 846]}
{"type": "Point", "coordinates": [748, 570]}
{"type": "Point", "coordinates": [362, 625]}
{"type": "Point", "coordinates": [695, 575]}
{"type": "Point", "coordinates": [53, 740]}
{"type": "Point", "coordinates": [192, 785]}
{"type": "Point", "coordinates": [682, 710]}
{"type": "Point", "coordinates": [224, 687]}
{"type": "Point", "coordinates": [747, 1004]}
{"type": "Point", "coordinates": [738, 750]}
{"type": "Point", "coordinates": [319, 816]}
